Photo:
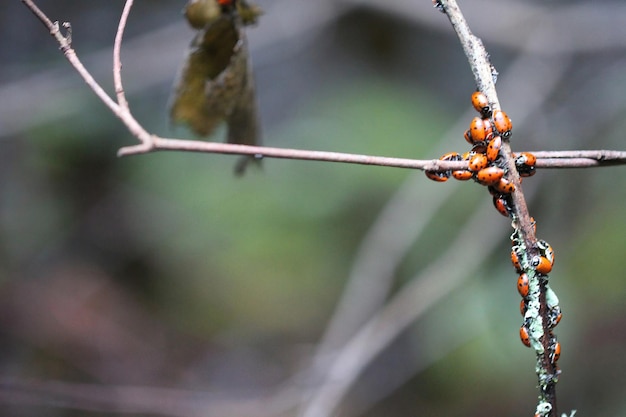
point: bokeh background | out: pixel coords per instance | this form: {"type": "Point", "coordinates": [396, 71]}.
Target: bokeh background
{"type": "Point", "coordinates": [163, 285]}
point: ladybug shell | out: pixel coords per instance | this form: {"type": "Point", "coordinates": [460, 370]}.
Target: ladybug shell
{"type": "Point", "coordinates": [481, 104]}
{"type": "Point", "coordinates": [556, 352]}
{"type": "Point", "coordinates": [462, 175]}
{"type": "Point", "coordinates": [480, 130]}
{"type": "Point", "coordinates": [504, 186]}
{"type": "Point", "coordinates": [477, 162]}
{"type": "Point", "coordinates": [500, 204]}
{"type": "Point", "coordinates": [541, 264]}
{"type": "Point", "coordinates": [450, 156]}
{"type": "Point", "coordinates": [490, 175]}
{"type": "Point", "coordinates": [515, 261]}
{"type": "Point", "coordinates": [437, 176]}
{"type": "Point", "coordinates": [524, 337]}
{"type": "Point", "coordinates": [502, 123]}
{"type": "Point", "coordinates": [522, 285]}
{"type": "Point", "coordinates": [493, 148]}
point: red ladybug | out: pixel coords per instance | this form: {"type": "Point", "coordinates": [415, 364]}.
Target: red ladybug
{"type": "Point", "coordinates": [450, 156]}
{"type": "Point", "coordinates": [523, 335]}
{"type": "Point", "coordinates": [523, 306]}
{"type": "Point", "coordinates": [554, 316]}
{"type": "Point", "coordinates": [546, 250]}
{"type": "Point", "coordinates": [504, 186]}
{"type": "Point", "coordinates": [526, 158]}
{"type": "Point", "coordinates": [477, 162]}
{"type": "Point", "coordinates": [490, 175]}
{"type": "Point", "coordinates": [525, 164]}
{"type": "Point", "coordinates": [515, 261]}
{"type": "Point", "coordinates": [502, 123]}
{"type": "Point", "coordinates": [462, 175]}
{"type": "Point", "coordinates": [442, 176]}
{"type": "Point", "coordinates": [439, 176]}
{"type": "Point", "coordinates": [493, 148]}
{"type": "Point", "coordinates": [480, 130]}
{"type": "Point", "coordinates": [501, 205]}
{"type": "Point", "coordinates": [522, 285]}
{"type": "Point", "coordinates": [556, 352]}
{"type": "Point", "coordinates": [541, 264]}
{"type": "Point", "coordinates": [481, 104]}
{"type": "Point", "coordinates": [468, 137]}
{"type": "Point", "coordinates": [480, 148]}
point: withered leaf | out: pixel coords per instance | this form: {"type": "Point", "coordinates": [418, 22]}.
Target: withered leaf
{"type": "Point", "coordinates": [215, 83]}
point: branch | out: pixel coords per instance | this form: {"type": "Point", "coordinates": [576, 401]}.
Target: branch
{"type": "Point", "coordinates": [149, 143]}
{"type": "Point", "coordinates": [117, 61]}
{"type": "Point", "coordinates": [545, 159]}
{"type": "Point", "coordinates": [65, 42]}
{"type": "Point", "coordinates": [536, 331]}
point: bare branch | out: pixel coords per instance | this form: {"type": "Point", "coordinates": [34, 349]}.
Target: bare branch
{"type": "Point", "coordinates": [117, 60]}
{"type": "Point", "coordinates": [545, 159]}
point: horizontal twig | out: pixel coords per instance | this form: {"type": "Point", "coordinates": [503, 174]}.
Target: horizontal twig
{"type": "Point", "coordinates": [555, 159]}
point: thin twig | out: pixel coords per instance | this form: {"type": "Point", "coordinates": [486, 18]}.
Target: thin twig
{"type": "Point", "coordinates": [559, 159]}
{"type": "Point", "coordinates": [125, 116]}
{"type": "Point", "coordinates": [117, 60]}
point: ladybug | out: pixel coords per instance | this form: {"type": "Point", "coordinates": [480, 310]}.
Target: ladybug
{"type": "Point", "coordinates": [556, 352]}
{"type": "Point", "coordinates": [480, 130]}
{"type": "Point", "coordinates": [501, 205]}
{"type": "Point", "coordinates": [489, 175]}
{"type": "Point", "coordinates": [522, 285]}
{"type": "Point", "coordinates": [515, 261]}
{"type": "Point", "coordinates": [526, 158]}
{"type": "Point", "coordinates": [546, 250]}
{"type": "Point", "coordinates": [554, 316]}
{"type": "Point", "coordinates": [523, 335]}
{"type": "Point", "coordinates": [504, 186]}
{"type": "Point", "coordinates": [442, 176]}
{"type": "Point", "coordinates": [526, 171]}
{"type": "Point", "coordinates": [502, 123]}
{"type": "Point", "coordinates": [493, 148]}
{"type": "Point", "coordinates": [541, 264]}
{"type": "Point", "coordinates": [450, 156]}
{"type": "Point", "coordinates": [477, 162]}
{"type": "Point", "coordinates": [439, 176]}
{"type": "Point", "coordinates": [480, 148]}
{"type": "Point", "coordinates": [462, 175]}
{"type": "Point", "coordinates": [525, 164]}
{"type": "Point", "coordinates": [225, 2]}
{"type": "Point", "coordinates": [468, 137]}
{"type": "Point", "coordinates": [481, 104]}
{"type": "Point", "coordinates": [523, 306]}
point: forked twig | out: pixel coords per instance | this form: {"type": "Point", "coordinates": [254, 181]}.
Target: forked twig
{"type": "Point", "coordinates": [151, 143]}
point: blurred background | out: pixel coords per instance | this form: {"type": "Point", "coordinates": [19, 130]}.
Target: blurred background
{"type": "Point", "coordinates": [162, 285]}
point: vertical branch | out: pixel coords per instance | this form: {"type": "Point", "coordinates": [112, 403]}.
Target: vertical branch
{"type": "Point", "coordinates": [117, 61]}
{"type": "Point", "coordinates": [524, 237]}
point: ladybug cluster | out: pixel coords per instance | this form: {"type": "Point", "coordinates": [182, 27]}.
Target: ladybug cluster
{"type": "Point", "coordinates": [542, 265]}
{"type": "Point", "coordinates": [487, 167]}
{"type": "Point", "coordinates": [485, 164]}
